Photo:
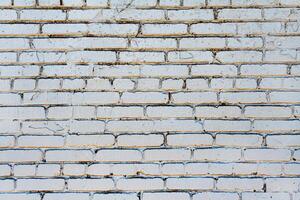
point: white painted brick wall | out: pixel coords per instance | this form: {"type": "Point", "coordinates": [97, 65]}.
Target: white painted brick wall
{"type": "Point", "coordinates": [149, 99]}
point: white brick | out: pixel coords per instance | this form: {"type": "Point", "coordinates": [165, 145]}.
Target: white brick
{"type": "Point", "coordinates": [190, 183]}
{"type": "Point", "coordinates": [40, 141]}
{"type": "Point", "coordinates": [90, 184]}
{"type": "Point", "coordinates": [167, 155]}
{"type": "Point", "coordinates": [239, 140]}
{"type": "Point", "coordinates": [7, 141]}
{"type": "Point", "coordinates": [227, 125]}
{"type": "Point", "coordinates": [143, 97]}
{"type": "Point", "coordinates": [49, 2]}
{"type": "Point", "coordinates": [166, 196]}
{"type": "Point", "coordinates": [267, 112]}
{"type": "Point", "coordinates": [194, 97]}
{"type": "Point", "coordinates": [215, 196]}
{"type": "Point", "coordinates": [214, 29]}
{"type": "Point", "coordinates": [214, 70]}
{"type": "Point", "coordinates": [189, 140]}
{"type": "Point", "coordinates": [5, 170]}
{"type": "Point", "coordinates": [190, 15]}
{"type": "Point", "coordinates": [240, 14]}
{"type": "Point", "coordinates": [118, 155]}
{"type": "Point", "coordinates": [20, 196]}
{"type": "Point", "coordinates": [140, 140]}
{"type": "Point", "coordinates": [137, 184]}
{"type": "Point", "coordinates": [164, 29]}
{"type": "Point", "coordinates": [24, 170]}
{"type": "Point", "coordinates": [123, 84]}
{"type": "Point", "coordinates": [142, 57]}
{"type": "Point", "coordinates": [218, 112]}
{"type": "Point", "coordinates": [267, 155]}
{"type": "Point", "coordinates": [99, 169]}
{"type": "Point", "coordinates": [243, 97]}
{"type": "Point", "coordinates": [42, 15]}
{"type": "Point", "coordinates": [283, 140]}
{"type": "Point", "coordinates": [169, 112]}
{"type": "Point", "coordinates": [48, 170]}
{"type": "Point", "coordinates": [73, 2]}
{"type": "Point", "coordinates": [73, 84]}
{"type": "Point", "coordinates": [120, 112]}
{"type": "Point", "coordinates": [66, 196]}
{"type": "Point", "coordinates": [68, 155]}
{"type": "Point", "coordinates": [218, 154]}
{"type": "Point", "coordinates": [24, 3]}
{"type": "Point", "coordinates": [74, 169]}
{"type": "Point", "coordinates": [282, 184]}
{"type": "Point", "coordinates": [266, 196]}
{"type": "Point", "coordinates": [124, 196]}
{"type": "Point", "coordinates": [171, 84]}
{"type": "Point", "coordinates": [40, 184]}
{"type": "Point", "coordinates": [240, 184]}
{"type": "Point", "coordinates": [164, 71]}
{"type": "Point", "coordinates": [190, 56]}
{"type": "Point", "coordinates": [20, 156]}
{"type": "Point", "coordinates": [88, 141]}
{"type": "Point", "coordinates": [6, 185]}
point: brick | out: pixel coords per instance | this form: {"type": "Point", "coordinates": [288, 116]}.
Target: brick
{"type": "Point", "coordinates": [214, 29]}
{"type": "Point", "coordinates": [259, 196]}
{"type": "Point", "coordinates": [143, 57]}
{"type": "Point", "coordinates": [164, 29]}
{"type": "Point", "coordinates": [5, 170]}
{"type": "Point", "coordinates": [123, 84]}
{"type": "Point", "coordinates": [218, 154]}
{"type": "Point", "coordinates": [166, 155]}
{"type": "Point", "coordinates": [240, 184]}
{"type": "Point", "coordinates": [48, 170]}
{"type": "Point", "coordinates": [243, 97]}
{"type": "Point", "coordinates": [267, 112]}
{"type": "Point", "coordinates": [66, 196]}
{"type": "Point", "coordinates": [136, 3]}
{"type": "Point", "coordinates": [240, 14]}
{"type": "Point", "coordinates": [90, 184]}
{"type": "Point", "coordinates": [282, 184]}
{"type": "Point", "coordinates": [7, 141]}
{"type": "Point", "coordinates": [167, 112]}
{"type": "Point", "coordinates": [214, 196]}
{"type": "Point", "coordinates": [42, 15]}
{"type": "Point", "coordinates": [88, 141]}
{"type": "Point", "coordinates": [40, 184]}
{"type": "Point", "coordinates": [218, 112]}
{"type": "Point", "coordinates": [190, 15]}
{"type": "Point", "coordinates": [143, 97]}
{"type": "Point", "coordinates": [194, 97]}
{"type": "Point", "coordinates": [213, 70]}
{"type": "Point", "coordinates": [227, 125]}
{"type": "Point", "coordinates": [116, 196]}
{"type": "Point", "coordinates": [165, 196]}
{"type": "Point", "coordinates": [190, 56]}
{"type": "Point", "coordinates": [20, 156]}
{"type": "Point", "coordinates": [68, 155]}
{"type": "Point", "coordinates": [171, 84]}
{"type": "Point", "coordinates": [99, 169]}
{"type": "Point", "coordinates": [189, 140]}
{"type": "Point", "coordinates": [6, 185]}
{"type": "Point", "coordinates": [140, 140]}
{"type": "Point", "coordinates": [81, 98]}
{"type": "Point", "coordinates": [118, 155]}
{"type": "Point", "coordinates": [190, 183]}
{"type": "Point", "coordinates": [239, 140]}
{"type": "Point", "coordinates": [283, 140]}
{"type": "Point", "coordinates": [40, 141]}
{"type": "Point", "coordinates": [49, 2]}
{"type": "Point", "coordinates": [119, 112]}
{"type": "Point", "coordinates": [164, 71]}
{"type": "Point", "coordinates": [202, 43]}
{"type": "Point", "coordinates": [74, 169]}
{"type": "Point", "coordinates": [24, 170]}
{"type": "Point", "coordinates": [153, 43]}
{"type": "Point", "coordinates": [267, 155]}
{"type": "Point", "coordinates": [273, 126]}
{"type": "Point", "coordinates": [137, 184]}
{"type": "Point", "coordinates": [20, 196]}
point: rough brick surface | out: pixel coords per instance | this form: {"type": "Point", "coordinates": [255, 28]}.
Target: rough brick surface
{"type": "Point", "coordinates": [149, 99]}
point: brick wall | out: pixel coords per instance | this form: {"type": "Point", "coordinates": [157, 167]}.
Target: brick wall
{"type": "Point", "coordinates": [149, 99]}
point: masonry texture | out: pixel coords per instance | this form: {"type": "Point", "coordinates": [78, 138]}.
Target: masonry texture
{"type": "Point", "coordinates": [149, 99]}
